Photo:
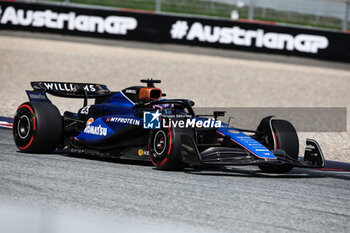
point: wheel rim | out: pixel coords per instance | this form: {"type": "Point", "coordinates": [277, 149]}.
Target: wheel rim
{"type": "Point", "coordinates": [23, 127]}
{"type": "Point", "coordinates": [159, 144]}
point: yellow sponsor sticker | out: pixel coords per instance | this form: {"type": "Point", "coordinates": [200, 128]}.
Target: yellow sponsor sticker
{"type": "Point", "coordinates": [233, 131]}
{"type": "Point", "coordinates": [140, 152]}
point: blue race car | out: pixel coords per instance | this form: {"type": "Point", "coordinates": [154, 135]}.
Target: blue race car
{"type": "Point", "coordinates": [138, 123]}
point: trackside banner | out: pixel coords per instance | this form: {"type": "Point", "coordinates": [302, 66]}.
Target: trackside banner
{"type": "Point", "coordinates": [224, 34]}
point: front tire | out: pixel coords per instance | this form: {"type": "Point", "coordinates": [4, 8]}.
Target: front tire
{"type": "Point", "coordinates": [37, 127]}
{"type": "Point", "coordinates": [281, 134]}
{"type": "Point", "coordinates": [164, 147]}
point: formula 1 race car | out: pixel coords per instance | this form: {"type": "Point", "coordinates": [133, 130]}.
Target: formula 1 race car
{"type": "Point", "coordinates": [138, 123]}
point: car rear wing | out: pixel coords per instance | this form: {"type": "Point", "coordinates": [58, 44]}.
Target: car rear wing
{"type": "Point", "coordinates": [72, 90]}
{"type": "Point", "coordinates": [68, 90]}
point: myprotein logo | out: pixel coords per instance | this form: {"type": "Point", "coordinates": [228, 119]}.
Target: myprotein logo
{"type": "Point", "coordinates": [259, 38]}
{"type": "Point", "coordinates": [124, 120]}
{"type": "Point", "coordinates": [119, 25]}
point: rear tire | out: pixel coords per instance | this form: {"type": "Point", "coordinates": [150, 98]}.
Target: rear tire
{"type": "Point", "coordinates": [283, 136]}
{"type": "Point", "coordinates": [37, 127]}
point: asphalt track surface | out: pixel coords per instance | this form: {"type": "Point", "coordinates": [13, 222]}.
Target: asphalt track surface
{"type": "Point", "coordinates": [135, 197]}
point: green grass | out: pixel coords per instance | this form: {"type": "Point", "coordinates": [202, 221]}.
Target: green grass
{"type": "Point", "coordinates": [220, 10]}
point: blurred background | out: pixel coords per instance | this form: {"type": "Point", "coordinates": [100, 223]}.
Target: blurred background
{"type": "Point", "coordinates": [327, 14]}
{"type": "Point", "coordinates": [52, 193]}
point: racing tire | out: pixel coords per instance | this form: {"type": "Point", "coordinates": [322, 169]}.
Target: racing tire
{"type": "Point", "coordinates": [285, 137]}
{"type": "Point", "coordinates": [37, 127]}
{"type": "Point", "coordinates": [165, 149]}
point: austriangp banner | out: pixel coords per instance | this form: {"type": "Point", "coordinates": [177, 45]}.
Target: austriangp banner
{"type": "Point", "coordinates": [225, 34]}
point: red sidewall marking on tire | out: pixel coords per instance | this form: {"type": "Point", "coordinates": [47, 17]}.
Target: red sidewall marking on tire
{"type": "Point", "coordinates": [34, 126]}
{"type": "Point", "coordinates": [169, 150]}
{"type": "Point", "coordinates": [25, 105]}
{"type": "Point", "coordinates": [275, 140]}
{"type": "Point", "coordinates": [170, 140]}
{"type": "Point", "coordinates": [149, 151]}
{"type": "Point", "coordinates": [164, 161]}
{"type": "Point", "coordinates": [25, 147]}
